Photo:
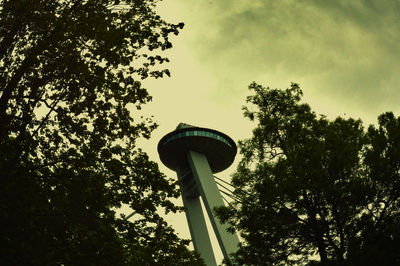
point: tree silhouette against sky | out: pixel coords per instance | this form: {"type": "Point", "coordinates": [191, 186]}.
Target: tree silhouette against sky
{"type": "Point", "coordinates": [314, 191]}
{"type": "Point", "coordinates": [70, 82]}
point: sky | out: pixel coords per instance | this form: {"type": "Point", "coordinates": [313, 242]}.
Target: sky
{"type": "Point", "coordinates": [344, 54]}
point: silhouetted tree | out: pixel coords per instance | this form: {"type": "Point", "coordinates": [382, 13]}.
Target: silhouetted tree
{"type": "Point", "coordinates": [314, 191]}
{"type": "Point", "coordinates": [70, 74]}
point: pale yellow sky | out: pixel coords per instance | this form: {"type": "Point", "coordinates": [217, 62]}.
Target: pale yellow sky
{"type": "Point", "coordinates": [344, 54]}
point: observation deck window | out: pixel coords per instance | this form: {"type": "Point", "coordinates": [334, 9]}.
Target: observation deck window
{"type": "Point", "coordinates": [202, 133]}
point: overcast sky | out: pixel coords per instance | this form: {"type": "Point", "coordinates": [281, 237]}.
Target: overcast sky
{"type": "Point", "coordinates": [344, 54]}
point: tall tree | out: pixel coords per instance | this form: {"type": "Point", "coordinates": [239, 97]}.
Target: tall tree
{"type": "Point", "coordinates": [314, 191]}
{"type": "Point", "coordinates": [70, 77]}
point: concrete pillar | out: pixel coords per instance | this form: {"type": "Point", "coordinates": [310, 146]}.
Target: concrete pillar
{"type": "Point", "coordinates": [195, 217]}
{"type": "Point", "coordinates": [209, 192]}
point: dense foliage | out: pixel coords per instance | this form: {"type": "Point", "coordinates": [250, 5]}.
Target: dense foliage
{"type": "Point", "coordinates": [70, 74]}
{"type": "Point", "coordinates": [314, 191]}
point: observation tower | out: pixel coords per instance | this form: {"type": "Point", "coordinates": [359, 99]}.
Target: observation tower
{"type": "Point", "coordinates": [197, 153]}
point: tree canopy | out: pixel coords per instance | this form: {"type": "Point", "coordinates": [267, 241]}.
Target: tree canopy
{"type": "Point", "coordinates": [315, 191]}
{"type": "Point", "coordinates": [71, 92]}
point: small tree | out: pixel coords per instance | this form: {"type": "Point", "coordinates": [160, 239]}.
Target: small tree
{"type": "Point", "coordinates": [70, 75]}
{"type": "Point", "coordinates": [314, 191]}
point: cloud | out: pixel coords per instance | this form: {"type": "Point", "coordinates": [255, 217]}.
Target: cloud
{"type": "Point", "coordinates": [346, 51]}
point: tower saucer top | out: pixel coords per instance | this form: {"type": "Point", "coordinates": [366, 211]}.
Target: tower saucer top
{"type": "Point", "coordinates": [219, 148]}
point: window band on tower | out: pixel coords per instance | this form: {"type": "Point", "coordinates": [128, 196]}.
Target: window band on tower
{"type": "Point", "coordinates": [201, 133]}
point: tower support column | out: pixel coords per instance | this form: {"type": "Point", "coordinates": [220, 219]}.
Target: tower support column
{"type": "Point", "coordinates": [195, 217]}
{"type": "Point", "coordinates": [209, 192]}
